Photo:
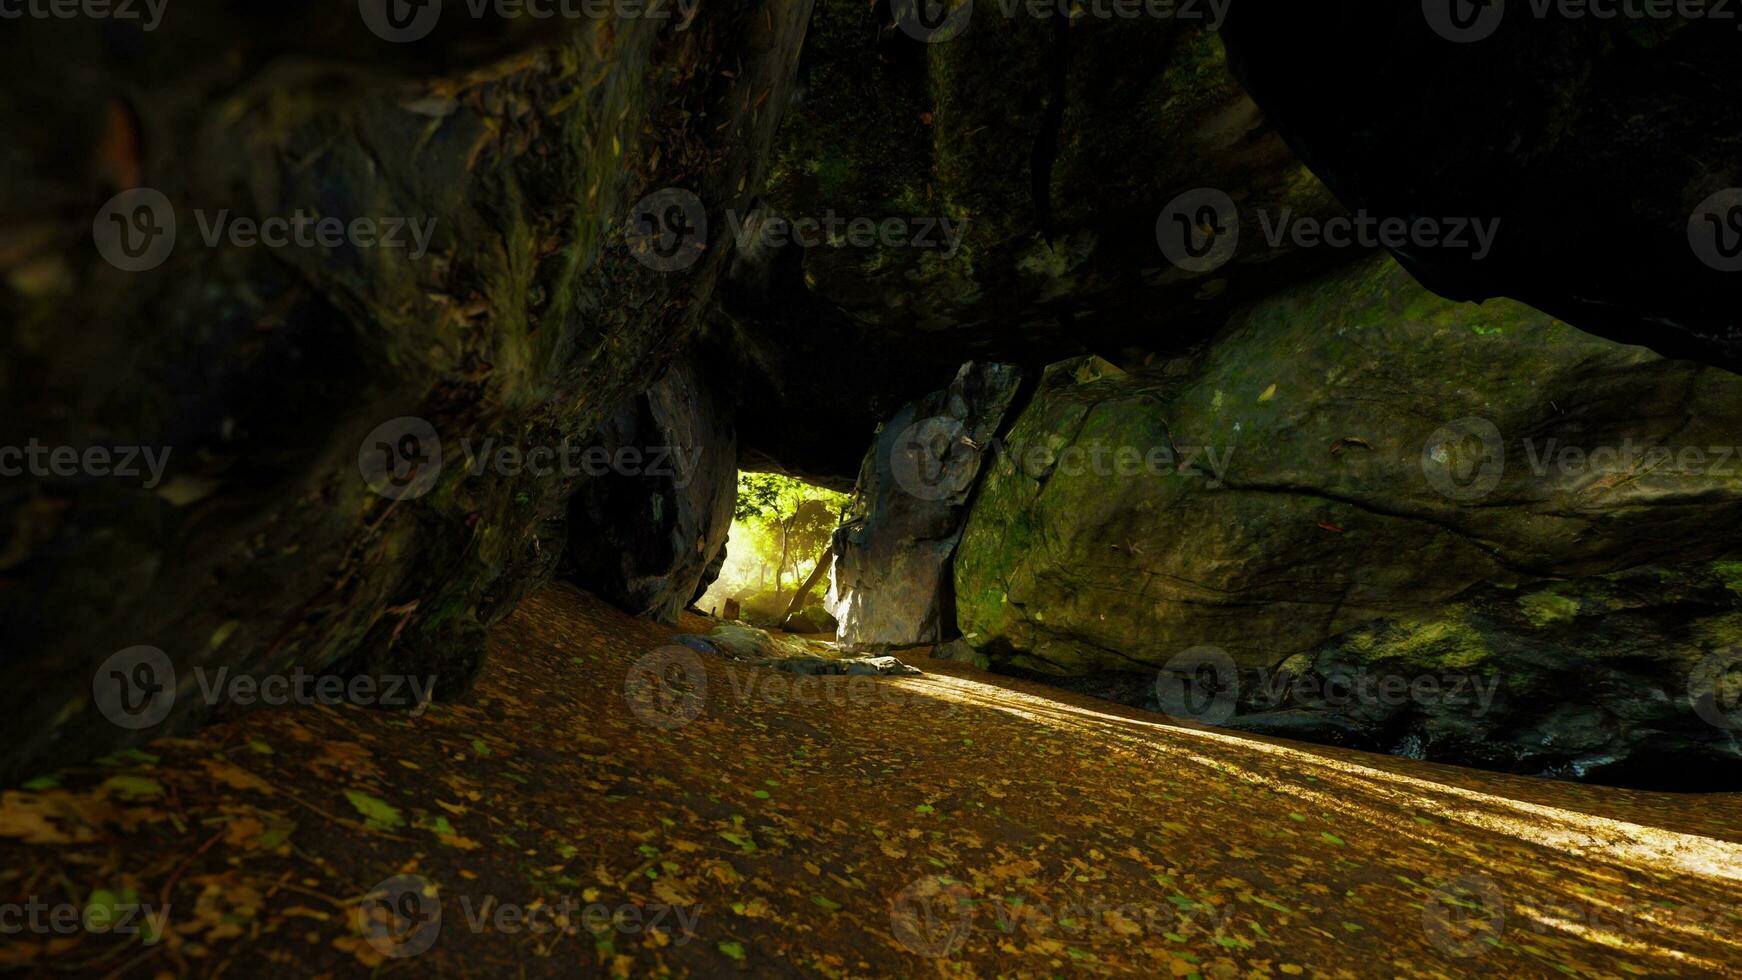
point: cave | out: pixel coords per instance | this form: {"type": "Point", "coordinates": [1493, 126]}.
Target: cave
{"type": "Point", "coordinates": [842, 488]}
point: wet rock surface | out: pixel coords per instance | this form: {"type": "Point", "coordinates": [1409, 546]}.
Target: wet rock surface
{"type": "Point", "coordinates": [1029, 158]}
{"type": "Point", "coordinates": [1631, 679]}
{"type": "Point", "coordinates": [846, 667]}
{"type": "Point", "coordinates": [747, 643]}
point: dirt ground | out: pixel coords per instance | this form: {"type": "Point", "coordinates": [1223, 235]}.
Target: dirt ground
{"type": "Point", "coordinates": [606, 803]}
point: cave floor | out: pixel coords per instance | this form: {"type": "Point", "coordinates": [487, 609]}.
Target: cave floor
{"type": "Point", "coordinates": [956, 824]}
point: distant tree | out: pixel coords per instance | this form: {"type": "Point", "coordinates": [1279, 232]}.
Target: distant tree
{"type": "Point", "coordinates": [763, 495]}
{"type": "Point", "coordinates": [792, 517]}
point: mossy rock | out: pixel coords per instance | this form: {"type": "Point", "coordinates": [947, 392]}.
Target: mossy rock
{"type": "Point", "coordinates": [1592, 679]}
{"type": "Point", "coordinates": [1302, 492]}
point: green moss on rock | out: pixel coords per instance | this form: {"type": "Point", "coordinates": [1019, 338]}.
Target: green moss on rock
{"type": "Point", "coordinates": [1543, 608]}
{"type": "Point", "coordinates": [1305, 507]}
{"type": "Point", "coordinates": [1443, 640]}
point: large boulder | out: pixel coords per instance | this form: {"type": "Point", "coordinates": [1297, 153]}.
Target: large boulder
{"type": "Point", "coordinates": [1609, 147]}
{"type": "Point", "coordinates": [1354, 450]}
{"type": "Point", "coordinates": [891, 575]}
{"type": "Point", "coordinates": [306, 518]}
{"type": "Point", "coordinates": [649, 520]}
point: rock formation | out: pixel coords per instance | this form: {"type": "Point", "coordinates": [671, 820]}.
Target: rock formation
{"type": "Point", "coordinates": [891, 578]}
{"type": "Point", "coordinates": [649, 518]}
{"type": "Point", "coordinates": [519, 304]}
{"type": "Point", "coordinates": [1344, 479]}
{"type": "Point", "coordinates": [557, 214]}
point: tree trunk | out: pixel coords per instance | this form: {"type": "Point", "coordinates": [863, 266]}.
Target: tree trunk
{"type": "Point", "coordinates": [780, 568]}
{"type": "Point", "coordinates": [823, 564]}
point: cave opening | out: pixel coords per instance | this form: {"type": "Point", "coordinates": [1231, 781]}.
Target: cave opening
{"type": "Point", "coordinates": [778, 555]}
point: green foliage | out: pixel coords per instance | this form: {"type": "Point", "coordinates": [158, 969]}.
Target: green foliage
{"type": "Point", "coordinates": [772, 502]}
{"type": "Point", "coordinates": [762, 496]}
{"type": "Point", "coordinates": [774, 498]}
{"type": "Point", "coordinates": [780, 526]}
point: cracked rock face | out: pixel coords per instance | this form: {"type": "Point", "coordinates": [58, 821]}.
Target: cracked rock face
{"type": "Point", "coordinates": [1349, 451]}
